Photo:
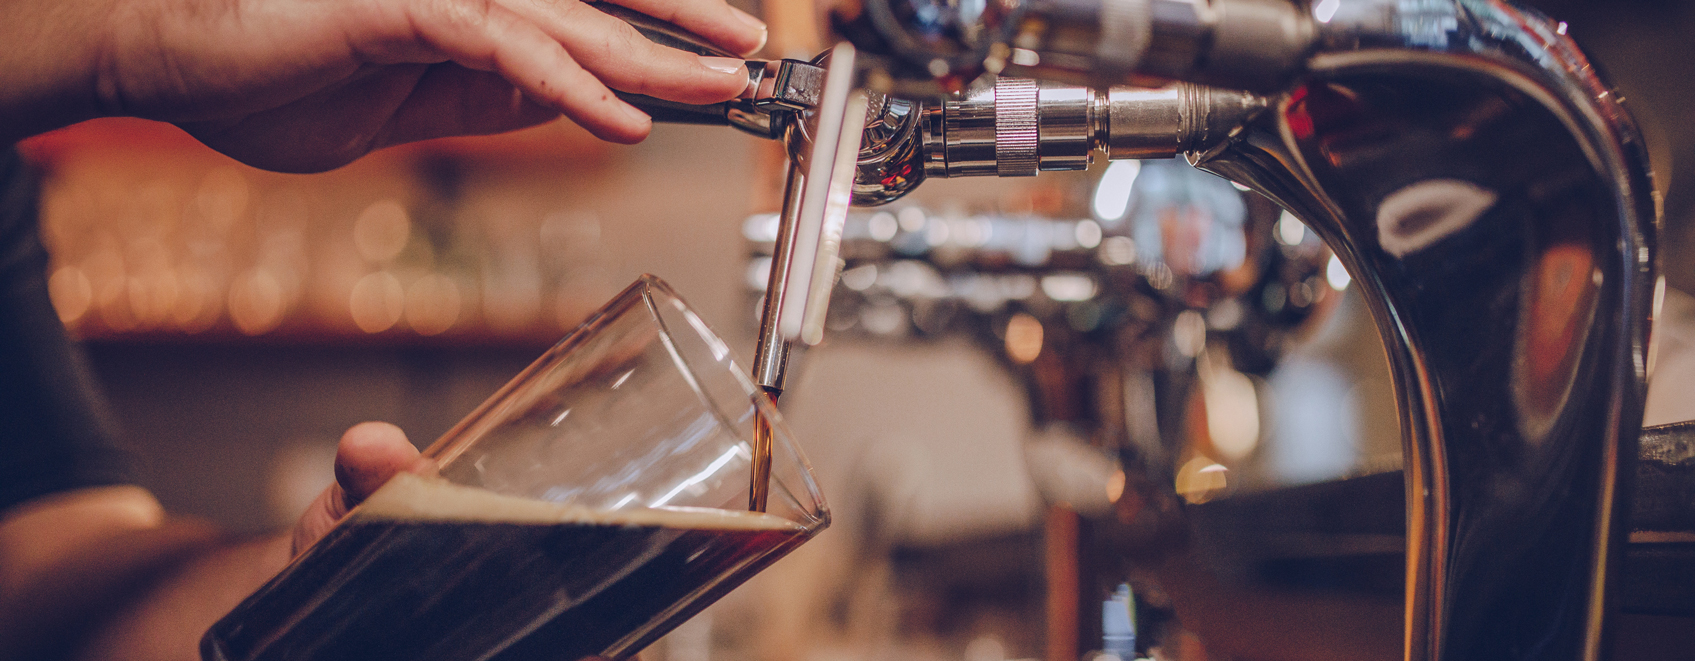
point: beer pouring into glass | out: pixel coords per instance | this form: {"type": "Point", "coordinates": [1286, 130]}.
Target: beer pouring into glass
{"type": "Point", "coordinates": [591, 505]}
{"type": "Point", "coordinates": [1481, 184]}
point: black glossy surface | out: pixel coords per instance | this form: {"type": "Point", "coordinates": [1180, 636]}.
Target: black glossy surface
{"type": "Point", "coordinates": [1516, 337]}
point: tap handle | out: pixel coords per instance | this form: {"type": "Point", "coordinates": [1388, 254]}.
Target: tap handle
{"type": "Point", "coordinates": [775, 89]}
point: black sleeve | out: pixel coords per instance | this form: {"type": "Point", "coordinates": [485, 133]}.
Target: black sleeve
{"type": "Point", "coordinates": [55, 431]}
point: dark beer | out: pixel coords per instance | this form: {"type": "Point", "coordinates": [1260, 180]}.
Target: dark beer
{"type": "Point", "coordinates": [427, 570]}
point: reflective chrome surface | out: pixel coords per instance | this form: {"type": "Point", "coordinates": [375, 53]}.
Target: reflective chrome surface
{"type": "Point", "coordinates": [1016, 127]}
{"type": "Point", "coordinates": [1243, 44]}
{"type": "Point", "coordinates": [1493, 199]}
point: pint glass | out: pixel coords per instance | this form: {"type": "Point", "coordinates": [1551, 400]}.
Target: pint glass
{"type": "Point", "coordinates": [591, 505]}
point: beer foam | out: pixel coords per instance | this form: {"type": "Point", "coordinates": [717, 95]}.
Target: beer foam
{"type": "Point", "coordinates": [416, 498]}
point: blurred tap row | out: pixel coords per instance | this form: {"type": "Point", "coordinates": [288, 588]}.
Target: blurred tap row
{"type": "Point", "coordinates": [1158, 239]}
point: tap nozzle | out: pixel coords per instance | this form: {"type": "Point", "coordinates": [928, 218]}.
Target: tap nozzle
{"type": "Point", "coordinates": [1018, 127]}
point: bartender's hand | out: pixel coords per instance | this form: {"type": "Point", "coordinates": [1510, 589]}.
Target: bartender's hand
{"type": "Point", "coordinates": [306, 85]}
{"type": "Point", "coordinates": [369, 454]}
{"type": "Point", "coordinates": [102, 573]}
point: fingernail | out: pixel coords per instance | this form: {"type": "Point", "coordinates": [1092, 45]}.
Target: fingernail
{"type": "Point", "coordinates": [764, 32]}
{"type": "Point", "coordinates": [635, 114]}
{"type": "Point", "coordinates": [748, 19]}
{"type": "Point", "coordinates": [722, 64]}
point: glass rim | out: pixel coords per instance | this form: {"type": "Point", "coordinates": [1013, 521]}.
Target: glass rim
{"type": "Point", "coordinates": [645, 291]}
{"type": "Point", "coordinates": [782, 436]}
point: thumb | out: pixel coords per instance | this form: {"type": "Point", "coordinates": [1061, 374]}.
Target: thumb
{"type": "Point", "coordinates": [369, 454]}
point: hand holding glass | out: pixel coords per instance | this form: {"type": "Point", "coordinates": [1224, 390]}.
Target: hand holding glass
{"type": "Point", "coordinates": [587, 508]}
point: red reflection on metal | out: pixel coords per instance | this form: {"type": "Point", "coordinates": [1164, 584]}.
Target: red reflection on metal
{"type": "Point", "coordinates": [1560, 290]}
{"type": "Point", "coordinates": [1296, 116]}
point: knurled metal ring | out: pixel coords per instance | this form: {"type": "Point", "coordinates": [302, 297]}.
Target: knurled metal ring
{"type": "Point", "coordinates": [1017, 132]}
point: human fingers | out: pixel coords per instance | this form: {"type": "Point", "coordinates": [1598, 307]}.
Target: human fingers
{"type": "Point", "coordinates": [369, 454]}
{"type": "Point", "coordinates": [625, 60]}
{"type": "Point", "coordinates": [450, 100]}
{"type": "Point", "coordinates": [730, 28]}
{"type": "Point", "coordinates": [488, 36]}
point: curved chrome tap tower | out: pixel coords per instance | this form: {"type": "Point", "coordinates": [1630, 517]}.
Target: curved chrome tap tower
{"type": "Point", "coordinates": [1470, 169]}
{"type": "Point", "coordinates": [1493, 198]}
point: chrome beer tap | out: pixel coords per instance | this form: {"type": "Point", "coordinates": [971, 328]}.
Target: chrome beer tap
{"type": "Point", "coordinates": [1484, 187]}
{"type": "Point", "coordinates": [1491, 195]}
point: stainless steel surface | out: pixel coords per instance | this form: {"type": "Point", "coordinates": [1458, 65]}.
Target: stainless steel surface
{"type": "Point", "coordinates": [969, 139]}
{"type": "Point", "coordinates": [1066, 123]}
{"type": "Point", "coordinates": [789, 85]}
{"type": "Point", "coordinates": [1016, 127]}
{"type": "Point", "coordinates": [1015, 130]}
{"type": "Point", "coordinates": [1178, 119]}
{"type": "Point", "coordinates": [1243, 44]}
{"type": "Point", "coordinates": [894, 151]}
{"type": "Point", "coordinates": [771, 354]}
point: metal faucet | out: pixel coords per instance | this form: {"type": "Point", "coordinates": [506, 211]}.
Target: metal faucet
{"type": "Point", "coordinates": [1488, 191]}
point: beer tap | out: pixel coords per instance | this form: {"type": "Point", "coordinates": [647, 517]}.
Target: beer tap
{"type": "Point", "coordinates": [1485, 188]}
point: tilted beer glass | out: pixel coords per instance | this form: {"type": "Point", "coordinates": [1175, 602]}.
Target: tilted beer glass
{"type": "Point", "coordinates": [591, 505]}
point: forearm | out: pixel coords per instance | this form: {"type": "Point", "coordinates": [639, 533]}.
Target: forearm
{"type": "Point", "coordinates": [47, 67]}
{"type": "Point", "coordinates": [100, 574]}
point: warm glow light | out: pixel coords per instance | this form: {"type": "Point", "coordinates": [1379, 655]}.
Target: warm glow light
{"type": "Point", "coordinates": [257, 301]}
{"type": "Point", "coordinates": [71, 292]}
{"type": "Point", "coordinates": [377, 302]}
{"type": "Point", "coordinates": [198, 301]}
{"type": "Point", "coordinates": [222, 197]}
{"type": "Point", "coordinates": [1118, 251]}
{"type": "Point", "coordinates": [1337, 274]}
{"type": "Point", "coordinates": [1112, 194]}
{"type": "Point", "coordinates": [105, 270]}
{"type": "Point", "coordinates": [1232, 408]}
{"type": "Point", "coordinates": [1189, 333]}
{"type": "Point", "coordinates": [152, 296]}
{"type": "Point", "coordinates": [1023, 338]}
{"type": "Point", "coordinates": [432, 304]}
{"type": "Point", "coordinates": [381, 231]}
{"type": "Point", "coordinates": [1201, 479]}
